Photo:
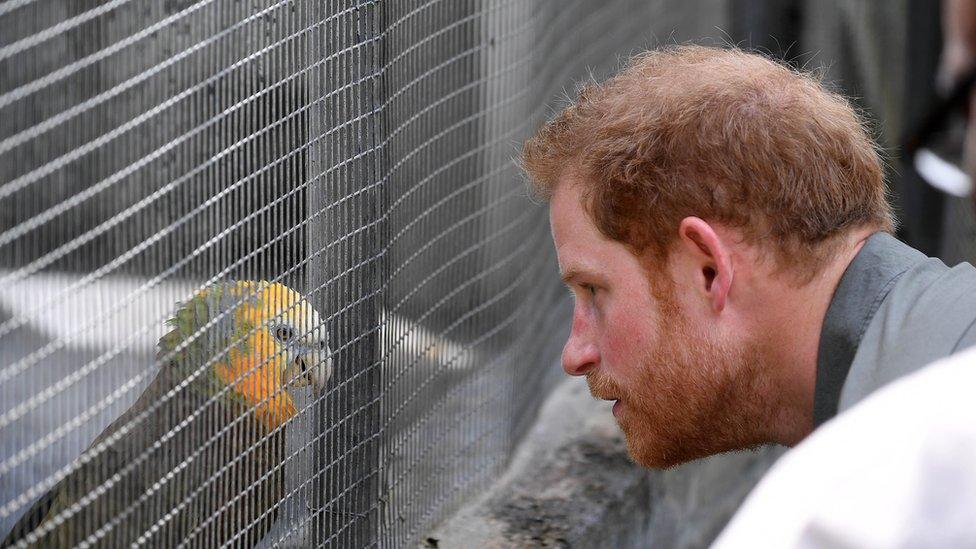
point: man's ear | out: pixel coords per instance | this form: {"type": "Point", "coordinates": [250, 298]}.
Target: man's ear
{"type": "Point", "coordinates": [711, 258]}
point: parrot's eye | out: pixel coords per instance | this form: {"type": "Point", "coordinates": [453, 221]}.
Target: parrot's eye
{"type": "Point", "coordinates": [284, 333]}
{"type": "Point", "coordinates": [322, 345]}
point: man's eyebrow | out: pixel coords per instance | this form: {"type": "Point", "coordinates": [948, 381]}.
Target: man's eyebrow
{"type": "Point", "coordinates": [569, 274]}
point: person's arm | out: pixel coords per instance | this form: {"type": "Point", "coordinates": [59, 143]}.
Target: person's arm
{"type": "Point", "coordinates": [959, 40]}
{"type": "Point", "coordinates": [958, 58]}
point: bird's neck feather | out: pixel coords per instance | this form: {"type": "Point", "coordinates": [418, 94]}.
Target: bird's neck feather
{"type": "Point", "coordinates": [257, 381]}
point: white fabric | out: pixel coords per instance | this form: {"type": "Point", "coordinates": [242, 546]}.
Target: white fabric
{"type": "Point", "coordinates": [896, 470]}
{"type": "Point", "coordinates": [943, 175]}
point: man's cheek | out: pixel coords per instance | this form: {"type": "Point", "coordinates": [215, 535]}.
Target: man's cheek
{"type": "Point", "coordinates": [628, 337]}
{"type": "Point", "coordinates": [625, 356]}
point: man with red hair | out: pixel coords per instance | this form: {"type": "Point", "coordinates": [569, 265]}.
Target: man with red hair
{"type": "Point", "coordinates": [722, 222]}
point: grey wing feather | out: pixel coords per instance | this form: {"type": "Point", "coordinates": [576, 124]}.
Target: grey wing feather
{"type": "Point", "coordinates": [196, 471]}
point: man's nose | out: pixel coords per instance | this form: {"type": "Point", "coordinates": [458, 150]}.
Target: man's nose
{"type": "Point", "coordinates": [579, 356]}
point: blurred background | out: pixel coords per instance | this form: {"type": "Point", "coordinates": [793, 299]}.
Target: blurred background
{"type": "Point", "coordinates": [362, 152]}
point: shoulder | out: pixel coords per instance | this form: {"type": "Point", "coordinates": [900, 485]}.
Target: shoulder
{"type": "Point", "coordinates": [928, 314]}
{"type": "Point", "coordinates": [873, 475]}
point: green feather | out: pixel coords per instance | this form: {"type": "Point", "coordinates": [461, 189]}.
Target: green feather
{"type": "Point", "coordinates": [219, 302]}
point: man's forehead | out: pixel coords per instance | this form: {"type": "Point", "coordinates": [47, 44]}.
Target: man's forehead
{"type": "Point", "coordinates": [580, 247]}
{"type": "Point", "coordinates": [564, 213]}
{"type": "Point", "coordinates": [568, 220]}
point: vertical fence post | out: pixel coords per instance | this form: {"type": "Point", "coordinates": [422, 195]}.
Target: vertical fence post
{"type": "Point", "coordinates": [344, 277]}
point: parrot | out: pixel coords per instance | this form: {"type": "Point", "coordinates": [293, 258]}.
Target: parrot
{"type": "Point", "coordinates": [198, 459]}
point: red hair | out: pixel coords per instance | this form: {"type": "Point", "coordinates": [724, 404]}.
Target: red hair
{"type": "Point", "coordinates": [728, 136]}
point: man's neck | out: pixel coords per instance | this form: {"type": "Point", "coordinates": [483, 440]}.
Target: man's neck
{"type": "Point", "coordinates": [795, 339]}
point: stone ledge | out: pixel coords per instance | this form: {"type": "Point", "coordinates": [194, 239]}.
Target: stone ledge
{"type": "Point", "coordinates": [571, 484]}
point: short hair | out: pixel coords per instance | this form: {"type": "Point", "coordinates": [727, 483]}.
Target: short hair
{"type": "Point", "coordinates": [732, 137]}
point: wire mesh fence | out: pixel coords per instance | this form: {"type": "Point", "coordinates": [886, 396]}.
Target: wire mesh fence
{"type": "Point", "coordinates": [268, 271]}
{"type": "Point", "coordinates": [270, 275]}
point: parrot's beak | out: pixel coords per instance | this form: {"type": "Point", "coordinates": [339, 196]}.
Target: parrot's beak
{"type": "Point", "coordinates": [320, 374]}
{"type": "Point", "coordinates": [310, 368]}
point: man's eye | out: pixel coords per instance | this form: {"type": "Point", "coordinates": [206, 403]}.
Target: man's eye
{"type": "Point", "coordinates": [589, 289]}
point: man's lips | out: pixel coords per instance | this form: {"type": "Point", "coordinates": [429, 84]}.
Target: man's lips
{"type": "Point", "coordinates": [617, 404]}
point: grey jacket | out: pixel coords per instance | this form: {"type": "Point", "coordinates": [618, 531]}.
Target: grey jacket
{"type": "Point", "coordinates": [894, 311]}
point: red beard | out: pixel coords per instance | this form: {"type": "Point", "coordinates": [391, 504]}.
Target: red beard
{"type": "Point", "coordinates": [693, 396]}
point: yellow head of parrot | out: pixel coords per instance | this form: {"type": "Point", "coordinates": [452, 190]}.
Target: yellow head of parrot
{"type": "Point", "coordinates": [292, 335]}
{"type": "Point", "coordinates": [264, 337]}
{"type": "Point", "coordinates": [280, 329]}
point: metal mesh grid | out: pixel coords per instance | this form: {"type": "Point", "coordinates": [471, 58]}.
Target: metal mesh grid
{"type": "Point", "coordinates": [357, 152]}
